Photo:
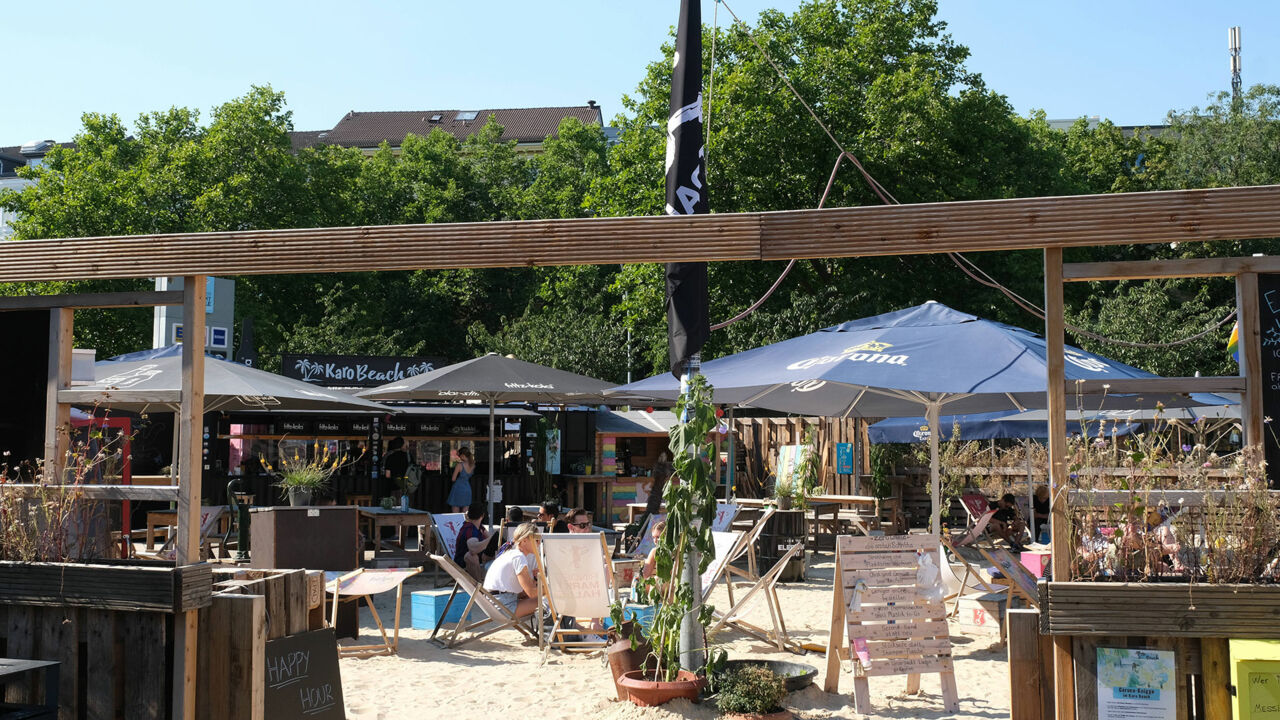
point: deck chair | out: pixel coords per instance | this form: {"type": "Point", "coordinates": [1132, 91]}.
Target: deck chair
{"type": "Point", "coordinates": [496, 614]}
{"type": "Point", "coordinates": [444, 530]}
{"type": "Point", "coordinates": [959, 585]}
{"type": "Point", "coordinates": [577, 582]}
{"type": "Point", "coordinates": [767, 585]}
{"type": "Point", "coordinates": [747, 548]}
{"type": "Point", "coordinates": [1020, 582]}
{"type": "Point", "coordinates": [979, 512]}
{"type": "Point", "coordinates": [209, 517]}
{"type": "Point", "coordinates": [726, 513]}
{"type": "Point", "coordinates": [365, 583]}
{"type": "Point", "coordinates": [646, 538]}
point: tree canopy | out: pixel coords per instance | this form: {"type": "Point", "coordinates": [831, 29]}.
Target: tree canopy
{"type": "Point", "coordinates": [884, 76]}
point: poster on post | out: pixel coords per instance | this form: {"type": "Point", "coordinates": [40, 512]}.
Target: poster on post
{"type": "Point", "coordinates": [1136, 684]}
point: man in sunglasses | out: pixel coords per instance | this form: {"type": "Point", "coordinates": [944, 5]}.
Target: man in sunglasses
{"type": "Point", "coordinates": [579, 521]}
{"type": "Point", "coordinates": [550, 516]}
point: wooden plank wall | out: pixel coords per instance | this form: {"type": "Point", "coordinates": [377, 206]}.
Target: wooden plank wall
{"type": "Point", "coordinates": [115, 663]}
{"type": "Point", "coordinates": [1201, 685]}
{"type": "Point", "coordinates": [760, 439]}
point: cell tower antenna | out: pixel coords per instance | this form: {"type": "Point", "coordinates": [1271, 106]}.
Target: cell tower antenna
{"type": "Point", "coordinates": [1233, 40]}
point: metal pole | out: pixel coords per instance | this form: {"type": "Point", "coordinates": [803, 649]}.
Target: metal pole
{"type": "Point", "coordinates": [935, 466]}
{"type": "Point", "coordinates": [690, 629]}
{"type": "Point", "coordinates": [728, 476]}
{"type": "Point", "coordinates": [489, 489]}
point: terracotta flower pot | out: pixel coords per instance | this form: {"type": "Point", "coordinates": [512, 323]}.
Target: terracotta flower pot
{"type": "Point", "coordinates": [782, 714]}
{"type": "Point", "coordinates": [623, 659]}
{"type": "Point", "coordinates": [647, 693]}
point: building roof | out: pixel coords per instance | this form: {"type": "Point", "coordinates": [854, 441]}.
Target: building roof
{"type": "Point", "coordinates": [524, 125]}
{"type": "Point", "coordinates": [634, 422]}
{"type": "Point", "coordinates": [306, 138]}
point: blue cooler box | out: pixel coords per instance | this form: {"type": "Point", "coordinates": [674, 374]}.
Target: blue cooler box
{"type": "Point", "coordinates": [425, 607]}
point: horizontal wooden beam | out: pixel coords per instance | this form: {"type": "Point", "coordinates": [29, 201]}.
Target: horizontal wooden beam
{"type": "Point", "coordinates": [1172, 497]}
{"type": "Point", "coordinates": [1146, 269]}
{"type": "Point", "coordinates": [140, 299]}
{"type": "Point", "coordinates": [1228, 384]}
{"type": "Point", "coordinates": [1023, 223]}
{"type": "Point", "coordinates": [160, 493]}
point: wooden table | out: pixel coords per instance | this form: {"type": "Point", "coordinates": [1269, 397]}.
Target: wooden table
{"type": "Point", "coordinates": [636, 509]}
{"type": "Point", "coordinates": [10, 669]}
{"type": "Point", "coordinates": [376, 518]}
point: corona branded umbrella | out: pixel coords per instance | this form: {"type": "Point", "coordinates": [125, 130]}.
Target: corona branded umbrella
{"type": "Point", "coordinates": [928, 357]}
{"type": "Point", "coordinates": [494, 379]}
{"type": "Point", "coordinates": [998, 425]}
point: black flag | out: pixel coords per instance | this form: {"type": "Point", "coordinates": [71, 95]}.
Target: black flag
{"type": "Point", "coordinates": [687, 323]}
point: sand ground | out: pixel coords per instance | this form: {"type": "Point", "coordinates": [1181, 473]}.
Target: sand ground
{"type": "Point", "coordinates": [498, 676]}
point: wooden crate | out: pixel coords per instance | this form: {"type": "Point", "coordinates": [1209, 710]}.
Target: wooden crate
{"type": "Point", "coordinates": [982, 614]}
{"type": "Point", "coordinates": [153, 586]}
{"type": "Point", "coordinates": [1161, 609]}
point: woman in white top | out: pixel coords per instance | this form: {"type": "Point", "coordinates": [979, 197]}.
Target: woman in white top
{"type": "Point", "coordinates": [510, 576]}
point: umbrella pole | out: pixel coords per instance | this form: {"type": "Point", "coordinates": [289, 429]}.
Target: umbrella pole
{"type": "Point", "coordinates": [728, 476]}
{"type": "Point", "coordinates": [935, 477]}
{"type": "Point", "coordinates": [489, 489]}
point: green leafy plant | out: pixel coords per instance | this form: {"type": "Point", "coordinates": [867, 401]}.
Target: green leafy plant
{"type": "Point", "coordinates": [311, 472]}
{"type": "Point", "coordinates": [751, 690]}
{"type": "Point", "coordinates": [691, 503]}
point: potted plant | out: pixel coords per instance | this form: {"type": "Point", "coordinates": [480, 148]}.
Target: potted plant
{"type": "Point", "coordinates": [301, 475]}
{"type": "Point", "coordinates": [752, 692]}
{"type": "Point", "coordinates": [690, 510]}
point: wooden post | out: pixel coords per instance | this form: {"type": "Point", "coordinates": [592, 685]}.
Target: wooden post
{"type": "Point", "coordinates": [190, 427]}
{"type": "Point", "coordinates": [835, 638]}
{"type": "Point", "coordinates": [1054, 332]}
{"type": "Point", "coordinates": [57, 418]}
{"type": "Point", "coordinates": [1215, 664]}
{"type": "Point", "coordinates": [1025, 683]}
{"type": "Point", "coordinates": [1248, 319]}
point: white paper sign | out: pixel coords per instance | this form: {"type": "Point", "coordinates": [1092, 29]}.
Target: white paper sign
{"type": "Point", "coordinates": [1136, 684]}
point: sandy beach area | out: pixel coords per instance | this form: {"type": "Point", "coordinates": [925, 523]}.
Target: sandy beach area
{"type": "Point", "coordinates": [498, 676]}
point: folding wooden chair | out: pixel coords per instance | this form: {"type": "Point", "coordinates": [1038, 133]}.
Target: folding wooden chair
{"type": "Point", "coordinates": [1019, 581]}
{"type": "Point", "coordinates": [496, 614]}
{"type": "Point", "coordinates": [747, 547]}
{"type": "Point", "coordinates": [979, 512]}
{"type": "Point", "coordinates": [365, 583]}
{"type": "Point", "coordinates": [768, 585]}
{"type": "Point", "coordinates": [646, 537]}
{"type": "Point", "coordinates": [957, 586]}
{"type": "Point", "coordinates": [444, 530]}
{"type": "Point", "coordinates": [726, 513]}
{"type": "Point", "coordinates": [577, 581]}
{"type": "Point", "coordinates": [210, 515]}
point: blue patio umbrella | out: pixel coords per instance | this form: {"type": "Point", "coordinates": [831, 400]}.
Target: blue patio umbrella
{"type": "Point", "coordinates": [928, 357]}
{"type": "Point", "coordinates": [998, 425]}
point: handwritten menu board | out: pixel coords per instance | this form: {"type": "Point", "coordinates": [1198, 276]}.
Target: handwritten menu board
{"type": "Point", "coordinates": [888, 602]}
{"type": "Point", "coordinates": [302, 677]}
{"type": "Point", "coordinates": [1269, 331]}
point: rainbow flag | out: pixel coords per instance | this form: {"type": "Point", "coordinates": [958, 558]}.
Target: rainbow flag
{"type": "Point", "coordinates": [1233, 344]}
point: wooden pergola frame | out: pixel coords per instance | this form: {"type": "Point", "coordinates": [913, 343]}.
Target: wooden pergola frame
{"type": "Point", "coordinates": [1050, 224]}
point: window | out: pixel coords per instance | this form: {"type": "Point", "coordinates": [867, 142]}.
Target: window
{"type": "Point", "coordinates": [467, 115]}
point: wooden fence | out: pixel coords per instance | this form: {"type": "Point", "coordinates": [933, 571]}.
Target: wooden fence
{"type": "Point", "coordinates": [116, 663]}
{"type": "Point", "coordinates": [760, 439]}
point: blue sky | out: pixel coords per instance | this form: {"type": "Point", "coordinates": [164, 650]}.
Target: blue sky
{"type": "Point", "coordinates": [1127, 60]}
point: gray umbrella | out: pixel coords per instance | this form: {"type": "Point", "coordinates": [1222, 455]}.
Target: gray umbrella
{"type": "Point", "coordinates": [494, 378]}
{"type": "Point", "coordinates": [138, 384]}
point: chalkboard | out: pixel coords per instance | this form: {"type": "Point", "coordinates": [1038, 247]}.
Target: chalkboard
{"type": "Point", "coordinates": [1269, 333]}
{"type": "Point", "coordinates": [302, 677]}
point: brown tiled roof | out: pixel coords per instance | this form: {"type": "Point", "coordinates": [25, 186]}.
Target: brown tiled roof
{"type": "Point", "coordinates": [306, 138]}
{"type": "Point", "coordinates": [525, 125]}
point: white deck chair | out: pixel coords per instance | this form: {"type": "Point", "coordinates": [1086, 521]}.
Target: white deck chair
{"type": "Point", "coordinates": [365, 583]}
{"type": "Point", "coordinates": [956, 586]}
{"type": "Point", "coordinates": [444, 528]}
{"type": "Point", "coordinates": [726, 513]}
{"type": "Point", "coordinates": [496, 614]}
{"type": "Point", "coordinates": [646, 537]}
{"type": "Point", "coordinates": [747, 548]}
{"type": "Point", "coordinates": [577, 579]}
{"type": "Point", "coordinates": [768, 585]}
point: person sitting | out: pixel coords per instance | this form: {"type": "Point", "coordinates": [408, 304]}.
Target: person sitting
{"type": "Point", "coordinates": [1007, 523]}
{"type": "Point", "coordinates": [1040, 511]}
{"type": "Point", "coordinates": [550, 514]}
{"type": "Point", "coordinates": [579, 520]}
{"type": "Point", "coordinates": [511, 576]}
{"type": "Point", "coordinates": [469, 550]}
{"type": "Point", "coordinates": [651, 562]}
